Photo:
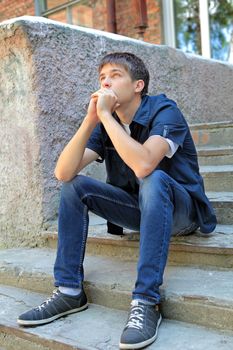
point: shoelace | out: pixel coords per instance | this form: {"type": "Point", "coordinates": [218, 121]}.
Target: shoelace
{"type": "Point", "coordinates": [136, 318]}
{"type": "Point", "coordinates": [47, 301]}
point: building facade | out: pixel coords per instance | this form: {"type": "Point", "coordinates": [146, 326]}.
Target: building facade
{"type": "Point", "coordinates": [201, 27]}
{"type": "Point", "coordinates": [120, 16]}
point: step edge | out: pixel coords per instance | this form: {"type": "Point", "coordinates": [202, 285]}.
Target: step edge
{"type": "Point", "coordinates": [212, 125]}
{"type": "Point", "coordinates": [214, 152]}
{"type": "Point", "coordinates": [131, 240]}
{"type": "Point", "coordinates": [36, 339]}
{"type": "Point", "coordinates": [172, 321]}
{"type": "Point", "coordinates": [166, 292]}
{"type": "Point", "coordinates": [216, 169]}
{"type": "Point", "coordinates": [174, 246]}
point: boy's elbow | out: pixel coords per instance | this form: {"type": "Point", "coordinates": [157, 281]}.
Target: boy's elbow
{"type": "Point", "coordinates": [61, 176]}
{"type": "Point", "coordinates": [58, 176]}
{"type": "Point", "coordinates": [143, 171]}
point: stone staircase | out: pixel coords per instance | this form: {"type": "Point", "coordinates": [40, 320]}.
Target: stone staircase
{"type": "Point", "coordinates": [198, 284]}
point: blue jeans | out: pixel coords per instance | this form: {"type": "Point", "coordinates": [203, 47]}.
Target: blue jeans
{"type": "Point", "coordinates": [162, 208]}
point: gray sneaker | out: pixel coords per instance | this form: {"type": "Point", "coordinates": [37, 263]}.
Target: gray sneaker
{"type": "Point", "coordinates": [142, 326]}
{"type": "Point", "coordinates": [56, 306]}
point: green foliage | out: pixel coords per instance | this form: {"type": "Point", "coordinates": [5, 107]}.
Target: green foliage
{"type": "Point", "coordinates": [188, 26]}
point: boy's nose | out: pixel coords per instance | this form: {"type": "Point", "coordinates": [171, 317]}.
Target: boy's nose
{"type": "Point", "coordinates": [107, 83]}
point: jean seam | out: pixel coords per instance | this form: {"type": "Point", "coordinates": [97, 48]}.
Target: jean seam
{"type": "Point", "coordinates": [84, 237]}
{"type": "Point", "coordinates": [109, 199]}
{"type": "Point", "coordinates": [164, 230]}
{"type": "Point", "coordinates": [173, 184]}
{"type": "Point", "coordinates": [191, 228]}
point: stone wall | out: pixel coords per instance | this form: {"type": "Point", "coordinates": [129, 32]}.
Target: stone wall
{"type": "Point", "coordinates": [47, 73]}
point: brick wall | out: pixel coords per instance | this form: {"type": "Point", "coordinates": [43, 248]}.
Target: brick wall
{"type": "Point", "coordinates": [153, 33]}
{"type": "Point", "coordinates": [126, 16]}
{"type": "Point", "coordinates": [100, 15]}
{"type": "Point", "coordinates": [16, 8]}
{"type": "Point", "coordinates": [127, 20]}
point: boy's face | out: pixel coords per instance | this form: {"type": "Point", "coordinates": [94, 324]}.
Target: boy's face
{"type": "Point", "coordinates": [116, 78]}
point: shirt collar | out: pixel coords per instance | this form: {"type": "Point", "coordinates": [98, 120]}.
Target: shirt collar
{"type": "Point", "coordinates": [143, 111]}
{"type": "Point", "coordinates": [142, 114]}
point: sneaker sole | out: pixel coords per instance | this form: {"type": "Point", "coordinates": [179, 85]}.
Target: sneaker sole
{"type": "Point", "coordinates": [51, 319]}
{"type": "Point", "coordinates": [144, 343]}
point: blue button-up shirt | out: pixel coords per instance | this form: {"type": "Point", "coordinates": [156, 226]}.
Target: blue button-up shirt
{"type": "Point", "coordinates": [158, 115]}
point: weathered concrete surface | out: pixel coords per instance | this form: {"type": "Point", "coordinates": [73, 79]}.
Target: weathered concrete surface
{"type": "Point", "coordinates": [48, 71]}
{"type": "Point", "coordinates": [223, 204]}
{"type": "Point", "coordinates": [217, 177]}
{"type": "Point", "coordinates": [21, 184]}
{"type": "Point", "coordinates": [214, 250]}
{"type": "Point", "coordinates": [97, 328]}
{"type": "Point", "coordinates": [197, 249]}
{"type": "Point", "coordinates": [194, 295]}
{"type": "Point", "coordinates": [215, 155]}
{"type": "Point", "coordinates": [213, 134]}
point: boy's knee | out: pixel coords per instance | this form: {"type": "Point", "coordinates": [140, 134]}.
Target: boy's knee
{"type": "Point", "coordinates": [157, 177]}
{"type": "Point", "coordinates": [71, 187]}
{"type": "Point", "coordinates": [154, 186]}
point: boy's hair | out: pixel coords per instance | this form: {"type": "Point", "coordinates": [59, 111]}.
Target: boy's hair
{"type": "Point", "coordinates": [132, 64]}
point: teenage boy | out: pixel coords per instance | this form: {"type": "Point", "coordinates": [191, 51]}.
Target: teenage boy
{"type": "Point", "coordinates": [153, 185]}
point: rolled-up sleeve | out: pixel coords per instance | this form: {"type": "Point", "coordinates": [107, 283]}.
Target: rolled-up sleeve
{"type": "Point", "coordinates": [169, 123]}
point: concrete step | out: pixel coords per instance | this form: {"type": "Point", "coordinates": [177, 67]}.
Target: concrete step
{"type": "Point", "coordinates": [215, 155]}
{"type": "Point", "coordinates": [97, 328]}
{"type": "Point", "coordinates": [214, 249]}
{"type": "Point", "coordinates": [213, 134]}
{"type": "Point", "coordinates": [197, 249]}
{"type": "Point", "coordinates": [223, 205]}
{"type": "Point", "coordinates": [194, 295]}
{"type": "Point", "coordinates": [217, 177]}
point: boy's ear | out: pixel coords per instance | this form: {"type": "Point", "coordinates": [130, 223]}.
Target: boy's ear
{"type": "Point", "coordinates": [139, 85]}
